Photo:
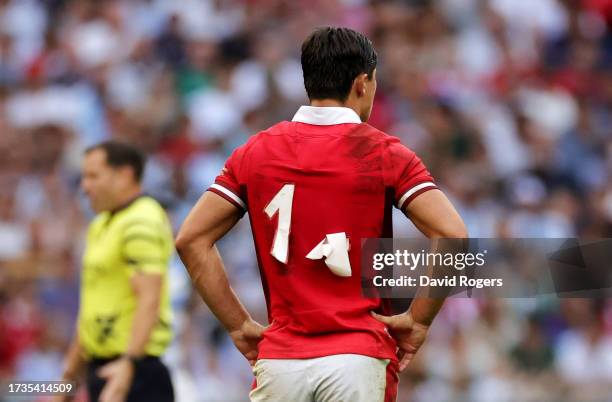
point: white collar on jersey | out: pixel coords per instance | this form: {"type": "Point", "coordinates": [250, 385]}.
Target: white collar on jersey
{"type": "Point", "coordinates": [326, 115]}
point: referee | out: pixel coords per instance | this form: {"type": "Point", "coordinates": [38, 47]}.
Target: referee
{"type": "Point", "coordinates": [124, 314]}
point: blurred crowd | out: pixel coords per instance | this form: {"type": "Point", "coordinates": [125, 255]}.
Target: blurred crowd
{"type": "Point", "coordinates": [508, 102]}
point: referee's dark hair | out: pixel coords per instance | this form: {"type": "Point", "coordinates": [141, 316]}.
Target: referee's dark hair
{"type": "Point", "coordinates": [122, 154]}
{"type": "Point", "coordinates": [331, 60]}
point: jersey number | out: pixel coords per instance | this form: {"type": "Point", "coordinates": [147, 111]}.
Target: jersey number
{"type": "Point", "coordinates": [333, 249]}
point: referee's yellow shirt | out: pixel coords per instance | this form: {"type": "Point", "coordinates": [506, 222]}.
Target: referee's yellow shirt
{"type": "Point", "coordinates": [136, 238]}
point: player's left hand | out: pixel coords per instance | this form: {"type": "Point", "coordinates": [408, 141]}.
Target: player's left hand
{"type": "Point", "coordinates": [408, 334]}
{"type": "Point", "coordinates": [118, 375]}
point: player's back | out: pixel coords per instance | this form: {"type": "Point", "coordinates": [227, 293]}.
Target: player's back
{"type": "Point", "coordinates": [313, 189]}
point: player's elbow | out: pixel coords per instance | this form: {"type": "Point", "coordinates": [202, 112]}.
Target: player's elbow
{"type": "Point", "coordinates": [188, 240]}
{"type": "Point", "coordinates": [184, 241]}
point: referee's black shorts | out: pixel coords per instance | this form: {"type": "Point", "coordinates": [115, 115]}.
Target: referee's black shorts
{"type": "Point", "coordinates": [151, 381]}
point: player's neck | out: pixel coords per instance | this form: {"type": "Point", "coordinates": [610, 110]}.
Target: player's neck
{"type": "Point", "coordinates": [327, 103]}
{"type": "Point", "coordinates": [332, 103]}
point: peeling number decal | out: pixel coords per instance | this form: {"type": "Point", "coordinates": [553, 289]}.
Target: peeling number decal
{"type": "Point", "coordinates": [333, 249]}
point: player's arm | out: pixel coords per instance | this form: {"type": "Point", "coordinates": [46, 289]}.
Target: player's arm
{"type": "Point", "coordinates": [209, 220]}
{"type": "Point", "coordinates": [434, 215]}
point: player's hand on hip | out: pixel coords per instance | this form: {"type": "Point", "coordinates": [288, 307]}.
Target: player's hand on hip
{"type": "Point", "coordinates": [408, 334]}
{"type": "Point", "coordinates": [247, 338]}
{"type": "Point", "coordinates": [118, 375]}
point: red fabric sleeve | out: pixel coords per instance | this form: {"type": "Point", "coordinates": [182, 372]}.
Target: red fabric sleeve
{"type": "Point", "coordinates": [229, 183]}
{"type": "Point", "coordinates": [409, 176]}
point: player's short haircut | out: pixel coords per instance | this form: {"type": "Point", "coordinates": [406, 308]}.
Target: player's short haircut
{"type": "Point", "coordinates": [332, 58]}
{"type": "Point", "coordinates": [121, 154]}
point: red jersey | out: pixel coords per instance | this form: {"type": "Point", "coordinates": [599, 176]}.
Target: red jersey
{"type": "Point", "coordinates": [314, 187]}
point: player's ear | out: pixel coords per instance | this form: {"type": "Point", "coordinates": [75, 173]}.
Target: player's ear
{"type": "Point", "coordinates": [360, 85]}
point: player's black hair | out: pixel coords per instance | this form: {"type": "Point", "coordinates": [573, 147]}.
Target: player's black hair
{"type": "Point", "coordinates": [331, 59]}
{"type": "Point", "coordinates": [122, 154]}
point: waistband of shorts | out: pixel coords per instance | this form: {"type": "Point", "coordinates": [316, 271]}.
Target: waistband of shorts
{"type": "Point", "coordinates": [100, 361]}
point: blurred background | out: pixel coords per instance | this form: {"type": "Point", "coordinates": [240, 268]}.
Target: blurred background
{"type": "Point", "coordinates": [508, 102]}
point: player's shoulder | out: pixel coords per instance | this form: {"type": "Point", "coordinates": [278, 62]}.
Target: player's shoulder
{"type": "Point", "coordinates": [280, 130]}
{"type": "Point", "coordinates": [276, 130]}
{"type": "Point", "coordinates": [263, 137]}
{"type": "Point", "coordinates": [388, 142]}
{"type": "Point", "coordinates": [377, 134]}
{"type": "Point", "coordinates": [284, 128]}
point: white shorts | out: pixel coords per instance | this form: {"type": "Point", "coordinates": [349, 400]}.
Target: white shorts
{"type": "Point", "coordinates": [335, 378]}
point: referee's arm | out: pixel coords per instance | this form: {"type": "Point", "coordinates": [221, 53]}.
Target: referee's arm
{"type": "Point", "coordinates": [147, 288]}
{"type": "Point", "coordinates": [120, 373]}
{"type": "Point", "coordinates": [74, 365]}
{"type": "Point", "coordinates": [144, 255]}
{"type": "Point", "coordinates": [75, 360]}
{"type": "Point", "coordinates": [141, 249]}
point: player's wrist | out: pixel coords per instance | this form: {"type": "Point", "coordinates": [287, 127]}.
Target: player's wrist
{"type": "Point", "coordinates": [239, 325]}
{"type": "Point", "coordinates": [417, 321]}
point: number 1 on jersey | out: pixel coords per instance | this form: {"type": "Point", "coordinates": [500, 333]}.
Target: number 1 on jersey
{"type": "Point", "coordinates": [281, 204]}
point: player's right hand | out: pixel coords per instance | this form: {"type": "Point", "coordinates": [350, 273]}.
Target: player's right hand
{"type": "Point", "coordinates": [408, 334]}
{"type": "Point", "coordinates": [247, 338]}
